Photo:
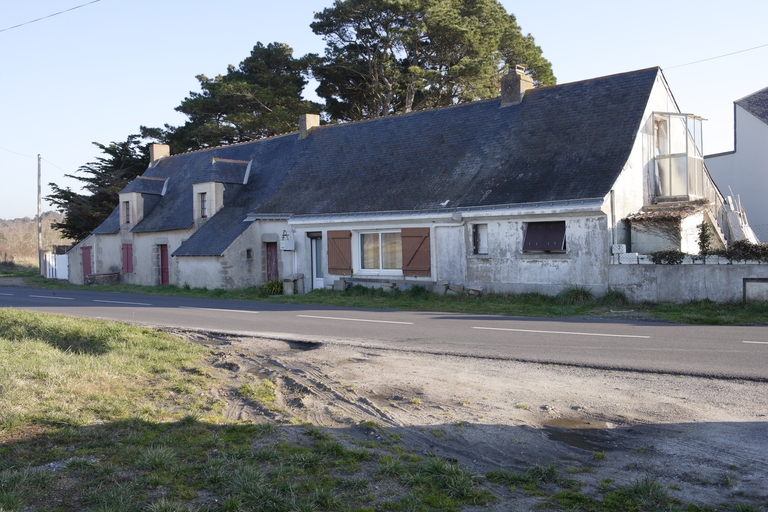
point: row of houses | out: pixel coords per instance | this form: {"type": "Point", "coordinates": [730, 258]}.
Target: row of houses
{"type": "Point", "coordinates": [534, 191]}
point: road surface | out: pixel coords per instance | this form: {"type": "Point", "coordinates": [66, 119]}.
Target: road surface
{"type": "Point", "coordinates": [713, 351]}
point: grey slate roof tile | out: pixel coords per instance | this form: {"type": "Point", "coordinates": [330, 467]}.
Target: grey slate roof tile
{"type": "Point", "coordinates": [145, 185]}
{"type": "Point", "coordinates": [565, 142]}
{"type": "Point", "coordinates": [756, 104]}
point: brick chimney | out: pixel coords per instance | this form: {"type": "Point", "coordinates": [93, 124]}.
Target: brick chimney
{"type": "Point", "coordinates": [306, 123]}
{"type": "Point", "coordinates": [514, 85]}
{"type": "Point", "coordinates": [158, 151]}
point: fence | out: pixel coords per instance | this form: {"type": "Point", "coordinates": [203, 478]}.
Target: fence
{"type": "Point", "coordinates": [56, 266]}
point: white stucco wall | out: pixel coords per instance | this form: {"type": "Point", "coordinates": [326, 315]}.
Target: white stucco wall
{"type": "Point", "coordinates": [234, 269]}
{"type": "Point", "coordinates": [746, 169]}
{"type": "Point", "coordinates": [146, 256]}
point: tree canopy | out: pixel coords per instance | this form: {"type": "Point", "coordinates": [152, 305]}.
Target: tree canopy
{"type": "Point", "coordinates": [382, 57]}
{"type": "Point", "coordinates": [102, 179]}
{"type": "Point", "coordinates": [259, 98]}
{"type": "Point", "coordinates": [389, 56]}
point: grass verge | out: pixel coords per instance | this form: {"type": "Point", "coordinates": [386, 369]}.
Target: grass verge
{"type": "Point", "coordinates": [98, 415]}
{"type": "Point", "coordinates": [11, 269]}
{"type": "Point", "coordinates": [574, 301]}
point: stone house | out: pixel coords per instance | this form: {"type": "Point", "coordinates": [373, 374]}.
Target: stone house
{"type": "Point", "coordinates": [534, 191]}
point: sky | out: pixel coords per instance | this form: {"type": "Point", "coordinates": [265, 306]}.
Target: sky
{"type": "Point", "coordinates": [98, 72]}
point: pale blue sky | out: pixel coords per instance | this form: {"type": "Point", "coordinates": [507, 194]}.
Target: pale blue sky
{"type": "Point", "coordinates": [98, 72]}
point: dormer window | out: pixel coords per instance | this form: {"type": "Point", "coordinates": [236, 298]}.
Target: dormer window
{"type": "Point", "coordinates": [203, 205]}
{"type": "Point", "coordinates": [679, 166]}
{"type": "Point", "coordinates": [126, 212]}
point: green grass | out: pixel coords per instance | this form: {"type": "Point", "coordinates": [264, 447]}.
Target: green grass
{"type": "Point", "coordinates": [573, 301]}
{"type": "Point", "coordinates": [11, 269]}
{"type": "Point", "coordinates": [91, 419]}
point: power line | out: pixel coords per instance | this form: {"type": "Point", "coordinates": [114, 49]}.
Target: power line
{"type": "Point", "coordinates": [49, 16]}
{"type": "Point", "coordinates": [718, 57]}
{"type": "Point", "coordinates": [53, 164]}
{"type": "Point", "coordinates": [30, 156]}
{"type": "Point", "coordinates": [15, 153]}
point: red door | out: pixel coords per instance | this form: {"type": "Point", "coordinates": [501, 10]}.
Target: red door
{"type": "Point", "coordinates": [164, 275]}
{"type": "Point", "coordinates": [272, 261]}
{"type": "Point", "coordinates": [86, 262]}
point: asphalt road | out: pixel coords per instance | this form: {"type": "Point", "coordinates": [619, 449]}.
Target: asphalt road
{"type": "Point", "coordinates": [733, 352]}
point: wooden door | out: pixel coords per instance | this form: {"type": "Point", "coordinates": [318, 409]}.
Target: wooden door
{"type": "Point", "coordinates": [86, 262]}
{"type": "Point", "coordinates": [272, 273]}
{"type": "Point", "coordinates": [164, 273]}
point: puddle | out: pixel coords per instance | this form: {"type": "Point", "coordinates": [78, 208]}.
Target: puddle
{"type": "Point", "coordinates": [591, 435]}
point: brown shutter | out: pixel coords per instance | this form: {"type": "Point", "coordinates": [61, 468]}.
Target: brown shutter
{"type": "Point", "coordinates": [416, 255]}
{"type": "Point", "coordinates": [340, 253]}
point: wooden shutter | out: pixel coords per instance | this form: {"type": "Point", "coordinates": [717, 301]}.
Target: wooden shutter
{"type": "Point", "coordinates": [416, 256]}
{"type": "Point", "coordinates": [545, 236]}
{"type": "Point", "coordinates": [340, 252]}
{"type": "Point", "coordinates": [127, 258]}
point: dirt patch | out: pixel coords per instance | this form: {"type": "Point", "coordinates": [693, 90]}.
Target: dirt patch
{"type": "Point", "coordinates": [12, 281]}
{"type": "Point", "coordinates": [704, 439]}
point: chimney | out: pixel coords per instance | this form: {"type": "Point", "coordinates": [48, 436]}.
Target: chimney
{"type": "Point", "coordinates": [514, 85]}
{"type": "Point", "coordinates": [306, 123]}
{"type": "Point", "coordinates": [158, 151]}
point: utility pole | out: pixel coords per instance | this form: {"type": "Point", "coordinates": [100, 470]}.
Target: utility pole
{"type": "Point", "coordinates": [40, 215]}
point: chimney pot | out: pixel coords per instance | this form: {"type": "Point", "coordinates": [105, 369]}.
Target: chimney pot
{"type": "Point", "coordinates": [306, 123]}
{"type": "Point", "coordinates": [158, 151]}
{"type": "Point", "coordinates": [514, 85]}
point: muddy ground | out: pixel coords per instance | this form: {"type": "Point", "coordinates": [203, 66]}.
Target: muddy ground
{"type": "Point", "coordinates": [706, 440]}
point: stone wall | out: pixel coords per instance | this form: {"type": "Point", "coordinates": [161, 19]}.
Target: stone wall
{"type": "Point", "coordinates": [685, 283]}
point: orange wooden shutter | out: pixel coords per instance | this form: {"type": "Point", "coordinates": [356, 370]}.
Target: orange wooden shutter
{"type": "Point", "coordinates": [416, 256]}
{"type": "Point", "coordinates": [340, 253]}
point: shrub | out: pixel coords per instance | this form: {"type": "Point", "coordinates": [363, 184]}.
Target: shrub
{"type": "Point", "coordinates": [705, 239]}
{"type": "Point", "coordinates": [274, 287]}
{"type": "Point", "coordinates": [615, 298]}
{"type": "Point", "coordinates": [575, 296]}
{"type": "Point", "coordinates": [667, 257]}
{"type": "Point", "coordinates": [417, 292]}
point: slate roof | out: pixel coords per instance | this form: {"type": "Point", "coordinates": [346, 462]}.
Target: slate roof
{"type": "Point", "coordinates": [222, 171]}
{"type": "Point", "coordinates": [756, 104]}
{"type": "Point", "coordinates": [565, 142]}
{"type": "Point", "coordinates": [146, 185]}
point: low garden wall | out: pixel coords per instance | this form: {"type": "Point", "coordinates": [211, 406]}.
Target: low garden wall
{"type": "Point", "coordinates": [717, 280]}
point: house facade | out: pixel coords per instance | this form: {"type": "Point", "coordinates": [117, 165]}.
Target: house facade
{"type": "Point", "coordinates": [534, 191]}
{"type": "Point", "coordinates": [745, 169]}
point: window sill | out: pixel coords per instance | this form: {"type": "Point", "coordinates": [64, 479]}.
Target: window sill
{"type": "Point", "coordinates": [547, 256]}
{"type": "Point", "coordinates": [479, 256]}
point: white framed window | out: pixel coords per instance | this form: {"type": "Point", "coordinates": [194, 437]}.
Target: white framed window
{"type": "Point", "coordinates": [480, 239]}
{"type": "Point", "coordinates": [126, 212]}
{"type": "Point", "coordinates": [381, 252]}
{"type": "Point", "coordinates": [203, 205]}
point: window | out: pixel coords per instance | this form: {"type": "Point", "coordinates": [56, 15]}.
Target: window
{"type": "Point", "coordinates": [127, 258]}
{"type": "Point", "coordinates": [479, 238]}
{"type": "Point", "coordinates": [127, 212]}
{"type": "Point", "coordinates": [381, 251]}
{"type": "Point", "coordinates": [249, 254]}
{"type": "Point", "coordinates": [203, 205]}
{"type": "Point", "coordinates": [679, 169]}
{"type": "Point", "coordinates": [545, 237]}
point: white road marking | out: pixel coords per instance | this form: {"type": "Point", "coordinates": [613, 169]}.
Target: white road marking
{"type": "Point", "coordinates": [563, 332]}
{"type": "Point", "coordinates": [7, 294]}
{"type": "Point", "coordinates": [51, 297]}
{"type": "Point", "coordinates": [757, 342]}
{"type": "Point", "coordinates": [224, 310]}
{"type": "Point", "coordinates": [121, 302]}
{"type": "Point", "coordinates": [355, 320]}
